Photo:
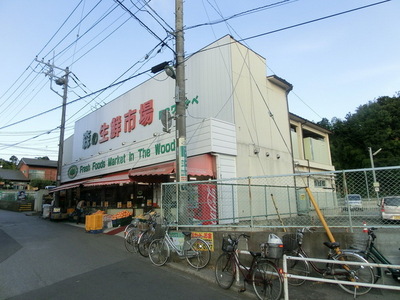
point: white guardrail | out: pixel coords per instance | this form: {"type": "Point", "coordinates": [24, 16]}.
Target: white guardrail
{"type": "Point", "coordinates": [287, 275]}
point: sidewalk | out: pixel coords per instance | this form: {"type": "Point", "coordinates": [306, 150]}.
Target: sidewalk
{"type": "Point", "coordinates": [310, 290]}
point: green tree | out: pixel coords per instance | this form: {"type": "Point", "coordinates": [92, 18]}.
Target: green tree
{"type": "Point", "coordinates": [7, 164]}
{"type": "Point", "coordinates": [40, 183]}
{"type": "Point", "coordinates": [376, 125]}
{"type": "Point", "coordinates": [44, 157]}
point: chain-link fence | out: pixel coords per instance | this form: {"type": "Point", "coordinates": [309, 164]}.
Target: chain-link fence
{"type": "Point", "coordinates": [347, 199]}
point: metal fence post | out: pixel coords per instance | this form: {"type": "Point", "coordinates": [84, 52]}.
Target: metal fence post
{"type": "Point", "coordinates": [250, 204]}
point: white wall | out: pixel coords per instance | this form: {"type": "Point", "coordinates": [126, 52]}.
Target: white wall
{"type": "Point", "coordinates": [261, 117]}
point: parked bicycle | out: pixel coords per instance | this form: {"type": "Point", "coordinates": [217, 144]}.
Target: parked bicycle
{"type": "Point", "coordinates": [293, 245]}
{"type": "Point", "coordinates": [131, 236]}
{"type": "Point", "coordinates": [195, 250]}
{"type": "Point", "coordinates": [140, 232]}
{"type": "Point", "coordinates": [372, 254]}
{"type": "Point", "coordinates": [263, 274]}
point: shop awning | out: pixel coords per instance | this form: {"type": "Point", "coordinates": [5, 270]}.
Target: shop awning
{"type": "Point", "coordinates": [201, 165]}
{"type": "Point", "coordinates": [122, 178]}
{"type": "Point", "coordinates": [161, 169]}
{"type": "Point", "coordinates": [68, 186]}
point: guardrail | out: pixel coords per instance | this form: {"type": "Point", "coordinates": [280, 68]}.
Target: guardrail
{"type": "Point", "coordinates": [287, 275]}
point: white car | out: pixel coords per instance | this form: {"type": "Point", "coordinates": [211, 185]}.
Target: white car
{"type": "Point", "coordinates": [353, 201]}
{"type": "Point", "coordinates": [390, 208]}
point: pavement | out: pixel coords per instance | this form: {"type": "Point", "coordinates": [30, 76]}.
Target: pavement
{"type": "Point", "coordinates": [310, 290]}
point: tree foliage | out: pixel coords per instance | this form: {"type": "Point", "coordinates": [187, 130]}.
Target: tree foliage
{"type": "Point", "coordinates": [41, 183]}
{"type": "Point", "coordinates": [376, 125]}
{"type": "Point", "coordinates": [8, 164]}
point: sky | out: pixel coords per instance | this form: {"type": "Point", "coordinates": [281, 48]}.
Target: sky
{"type": "Point", "coordinates": [337, 54]}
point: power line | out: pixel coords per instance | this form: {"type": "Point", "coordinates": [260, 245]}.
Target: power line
{"type": "Point", "coordinates": [76, 100]}
{"type": "Point", "coordinates": [144, 25]}
{"type": "Point", "coordinates": [292, 26]}
{"type": "Point", "coordinates": [165, 22]}
{"type": "Point", "coordinates": [250, 11]}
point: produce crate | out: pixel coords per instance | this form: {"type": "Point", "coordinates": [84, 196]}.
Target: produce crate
{"type": "Point", "coordinates": [125, 221]}
{"type": "Point", "coordinates": [94, 222]}
{"type": "Point", "coordinates": [122, 221]}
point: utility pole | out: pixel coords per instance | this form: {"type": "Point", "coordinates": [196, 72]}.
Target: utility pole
{"type": "Point", "coordinates": [180, 95]}
{"type": "Point", "coordinates": [62, 81]}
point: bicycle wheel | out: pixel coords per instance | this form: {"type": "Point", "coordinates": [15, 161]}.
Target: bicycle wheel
{"type": "Point", "coordinates": [353, 273]}
{"type": "Point", "coordinates": [267, 281]}
{"type": "Point", "coordinates": [159, 252]}
{"type": "Point", "coordinates": [225, 270]}
{"type": "Point", "coordinates": [143, 243]}
{"type": "Point", "coordinates": [297, 267]}
{"type": "Point", "coordinates": [198, 253]}
{"type": "Point", "coordinates": [371, 258]}
{"type": "Point", "coordinates": [130, 241]}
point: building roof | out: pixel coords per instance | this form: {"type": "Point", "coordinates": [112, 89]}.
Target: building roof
{"type": "Point", "coordinates": [281, 82]}
{"type": "Point", "coordinates": [38, 162]}
{"type": "Point", "coordinates": [13, 175]}
{"type": "Point", "coordinates": [297, 118]}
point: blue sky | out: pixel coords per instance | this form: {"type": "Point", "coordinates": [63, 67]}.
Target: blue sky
{"type": "Point", "coordinates": [335, 64]}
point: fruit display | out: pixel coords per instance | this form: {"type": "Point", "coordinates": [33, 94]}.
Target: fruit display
{"type": "Point", "coordinates": [122, 214]}
{"type": "Point", "coordinates": [123, 217]}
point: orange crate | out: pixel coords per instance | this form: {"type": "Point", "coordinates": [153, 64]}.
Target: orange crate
{"type": "Point", "coordinates": [94, 222]}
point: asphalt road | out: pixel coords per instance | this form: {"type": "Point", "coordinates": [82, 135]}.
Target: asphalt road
{"type": "Point", "coordinates": [41, 259]}
{"type": "Point", "coordinates": [45, 260]}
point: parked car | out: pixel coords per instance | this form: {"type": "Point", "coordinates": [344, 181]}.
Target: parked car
{"type": "Point", "coordinates": [390, 208]}
{"type": "Point", "coordinates": [353, 201]}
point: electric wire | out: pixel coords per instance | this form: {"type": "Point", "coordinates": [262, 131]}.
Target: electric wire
{"type": "Point", "coordinates": [144, 25]}
{"type": "Point", "coordinates": [293, 26]}
{"type": "Point", "coordinates": [165, 22]}
{"type": "Point", "coordinates": [75, 100]}
{"type": "Point", "coordinates": [255, 36]}
{"type": "Point", "coordinates": [250, 11]}
{"type": "Point", "coordinates": [170, 29]}
{"type": "Point", "coordinates": [40, 51]}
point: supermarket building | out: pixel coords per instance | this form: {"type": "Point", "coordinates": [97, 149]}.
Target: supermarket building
{"type": "Point", "coordinates": [238, 125]}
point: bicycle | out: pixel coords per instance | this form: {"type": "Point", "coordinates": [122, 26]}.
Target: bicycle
{"type": "Point", "coordinates": [131, 236]}
{"type": "Point", "coordinates": [372, 254]}
{"type": "Point", "coordinates": [293, 246]}
{"type": "Point", "coordinates": [263, 274]}
{"type": "Point", "coordinates": [139, 234]}
{"type": "Point", "coordinates": [196, 250]}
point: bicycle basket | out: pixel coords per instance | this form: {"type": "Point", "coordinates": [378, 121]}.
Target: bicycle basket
{"type": "Point", "coordinates": [290, 242]}
{"type": "Point", "coordinates": [270, 250]}
{"type": "Point", "coordinates": [227, 244]}
{"type": "Point", "coordinates": [143, 226]}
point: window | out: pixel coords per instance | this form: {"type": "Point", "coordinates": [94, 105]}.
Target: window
{"type": "Point", "coordinates": [36, 174]}
{"type": "Point", "coordinates": [319, 183]}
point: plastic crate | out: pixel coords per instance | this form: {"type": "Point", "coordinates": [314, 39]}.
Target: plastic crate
{"type": "Point", "coordinates": [94, 222]}
{"type": "Point", "coordinates": [121, 221]}
{"type": "Point", "coordinates": [125, 221]}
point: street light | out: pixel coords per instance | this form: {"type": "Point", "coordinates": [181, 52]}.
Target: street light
{"type": "Point", "coordinates": [371, 157]}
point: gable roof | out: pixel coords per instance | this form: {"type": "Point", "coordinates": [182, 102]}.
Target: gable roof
{"type": "Point", "coordinates": [13, 175]}
{"type": "Point", "coordinates": [38, 162]}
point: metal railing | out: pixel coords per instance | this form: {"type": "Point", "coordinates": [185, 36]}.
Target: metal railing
{"type": "Point", "coordinates": [282, 201]}
{"type": "Point", "coordinates": [287, 275]}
